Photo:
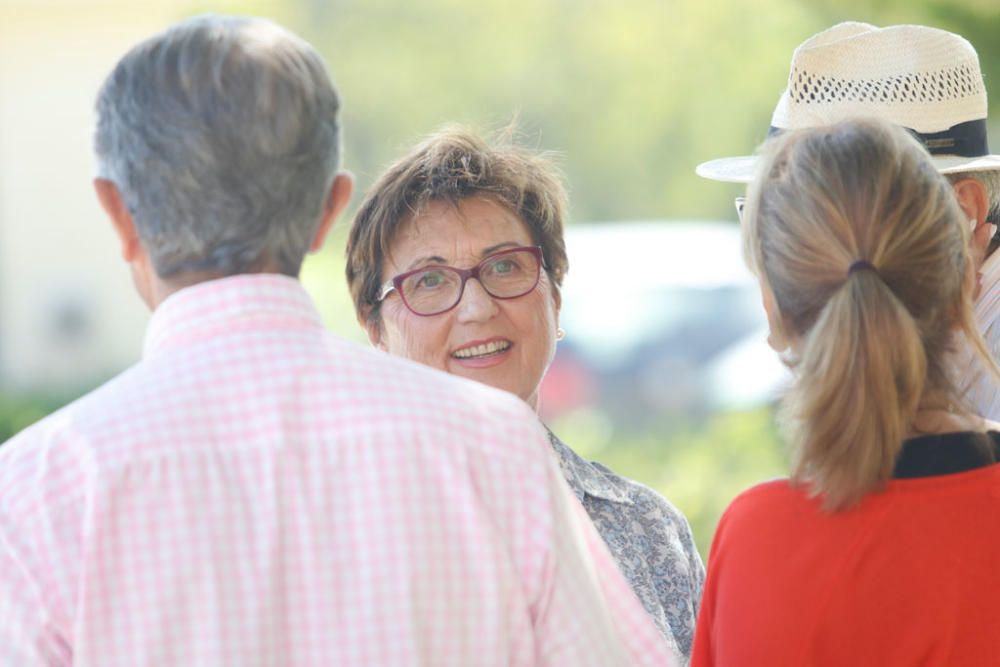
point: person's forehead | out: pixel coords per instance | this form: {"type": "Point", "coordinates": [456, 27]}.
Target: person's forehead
{"type": "Point", "coordinates": [471, 221]}
{"type": "Point", "coordinates": [455, 233]}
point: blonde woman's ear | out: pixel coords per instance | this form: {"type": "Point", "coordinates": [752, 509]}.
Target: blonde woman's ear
{"type": "Point", "coordinates": [776, 336]}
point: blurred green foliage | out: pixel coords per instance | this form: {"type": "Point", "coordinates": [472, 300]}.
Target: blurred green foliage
{"type": "Point", "coordinates": [632, 94]}
{"type": "Point", "coordinates": [18, 412]}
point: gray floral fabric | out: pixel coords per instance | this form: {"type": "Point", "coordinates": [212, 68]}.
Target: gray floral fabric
{"type": "Point", "coordinates": [648, 537]}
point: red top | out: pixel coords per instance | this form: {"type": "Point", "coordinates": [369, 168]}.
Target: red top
{"type": "Point", "coordinates": [911, 576]}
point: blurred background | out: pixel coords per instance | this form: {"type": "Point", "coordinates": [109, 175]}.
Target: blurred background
{"type": "Point", "coordinates": [664, 374]}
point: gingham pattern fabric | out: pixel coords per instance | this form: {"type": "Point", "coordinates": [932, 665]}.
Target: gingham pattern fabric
{"type": "Point", "coordinates": [986, 393]}
{"type": "Point", "coordinates": [258, 493]}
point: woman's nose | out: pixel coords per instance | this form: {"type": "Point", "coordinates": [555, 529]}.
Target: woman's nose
{"type": "Point", "coordinates": [476, 303]}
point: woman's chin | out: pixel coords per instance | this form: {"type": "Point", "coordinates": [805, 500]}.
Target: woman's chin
{"type": "Point", "coordinates": [492, 375]}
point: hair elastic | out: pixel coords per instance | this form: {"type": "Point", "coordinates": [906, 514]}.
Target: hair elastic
{"type": "Point", "coordinates": [861, 265]}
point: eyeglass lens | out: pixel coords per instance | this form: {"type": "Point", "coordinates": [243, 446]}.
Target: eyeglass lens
{"type": "Point", "coordinates": [438, 288]}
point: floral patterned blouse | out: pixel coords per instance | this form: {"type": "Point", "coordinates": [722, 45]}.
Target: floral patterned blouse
{"type": "Point", "coordinates": [648, 537]}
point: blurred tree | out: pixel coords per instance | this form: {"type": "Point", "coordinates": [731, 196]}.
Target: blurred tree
{"type": "Point", "coordinates": [632, 94]}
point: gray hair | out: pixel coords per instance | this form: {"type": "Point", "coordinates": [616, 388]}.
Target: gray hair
{"type": "Point", "coordinates": [222, 135]}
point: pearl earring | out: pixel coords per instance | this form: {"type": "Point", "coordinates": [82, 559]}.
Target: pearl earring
{"type": "Point", "coordinates": [560, 334]}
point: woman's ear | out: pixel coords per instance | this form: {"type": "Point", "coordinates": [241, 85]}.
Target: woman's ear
{"type": "Point", "coordinates": [373, 327]}
{"type": "Point", "coordinates": [776, 337]}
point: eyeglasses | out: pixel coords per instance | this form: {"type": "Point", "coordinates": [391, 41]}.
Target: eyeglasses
{"type": "Point", "coordinates": [435, 289]}
{"type": "Point", "coordinates": [740, 203]}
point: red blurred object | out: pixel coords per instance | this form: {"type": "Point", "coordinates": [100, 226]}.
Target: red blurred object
{"type": "Point", "coordinates": [569, 384]}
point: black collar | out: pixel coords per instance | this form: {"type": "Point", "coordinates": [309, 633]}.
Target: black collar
{"type": "Point", "coordinates": [947, 454]}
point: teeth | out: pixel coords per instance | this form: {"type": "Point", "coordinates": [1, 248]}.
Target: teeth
{"type": "Point", "coordinates": [481, 350]}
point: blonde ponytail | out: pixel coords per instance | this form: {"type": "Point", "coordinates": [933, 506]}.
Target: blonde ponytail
{"type": "Point", "coordinates": [865, 250]}
{"type": "Point", "coordinates": [856, 392]}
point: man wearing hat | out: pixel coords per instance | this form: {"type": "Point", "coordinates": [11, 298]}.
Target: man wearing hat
{"type": "Point", "coordinates": [928, 81]}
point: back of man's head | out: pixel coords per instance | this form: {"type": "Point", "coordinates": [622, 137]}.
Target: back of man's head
{"type": "Point", "coordinates": [222, 135]}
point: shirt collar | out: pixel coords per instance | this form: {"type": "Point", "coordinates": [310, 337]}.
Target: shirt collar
{"type": "Point", "coordinates": [946, 454]}
{"type": "Point", "coordinates": [217, 306]}
{"type": "Point", "coordinates": [585, 478]}
{"type": "Point", "coordinates": [988, 304]}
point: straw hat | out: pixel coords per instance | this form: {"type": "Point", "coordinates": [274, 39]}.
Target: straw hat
{"type": "Point", "coordinates": [925, 79]}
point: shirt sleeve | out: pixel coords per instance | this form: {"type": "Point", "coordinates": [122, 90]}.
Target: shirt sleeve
{"type": "Point", "coordinates": [27, 637]}
{"type": "Point", "coordinates": [984, 393]}
{"type": "Point", "coordinates": [587, 613]}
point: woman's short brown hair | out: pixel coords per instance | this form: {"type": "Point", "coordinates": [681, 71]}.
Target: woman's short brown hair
{"type": "Point", "coordinates": [453, 165]}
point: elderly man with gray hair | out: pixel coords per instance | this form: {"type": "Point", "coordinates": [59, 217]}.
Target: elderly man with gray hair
{"type": "Point", "coordinates": [255, 491]}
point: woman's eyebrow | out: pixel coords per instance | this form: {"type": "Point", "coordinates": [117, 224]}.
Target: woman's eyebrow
{"type": "Point", "coordinates": [499, 246]}
{"type": "Point", "coordinates": [437, 259]}
{"type": "Point", "coordinates": [433, 259]}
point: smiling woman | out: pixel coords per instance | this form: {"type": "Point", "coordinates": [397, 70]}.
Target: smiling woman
{"type": "Point", "coordinates": [503, 341]}
{"type": "Point", "coordinates": [455, 260]}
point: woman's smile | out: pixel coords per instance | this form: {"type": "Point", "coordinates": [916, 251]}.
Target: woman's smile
{"type": "Point", "coordinates": [483, 353]}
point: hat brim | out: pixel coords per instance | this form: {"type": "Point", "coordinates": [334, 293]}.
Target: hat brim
{"type": "Point", "coordinates": [741, 169]}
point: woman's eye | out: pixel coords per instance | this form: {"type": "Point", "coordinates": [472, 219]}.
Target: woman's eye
{"type": "Point", "coordinates": [504, 266]}
{"type": "Point", "coordinates": [430, 279]}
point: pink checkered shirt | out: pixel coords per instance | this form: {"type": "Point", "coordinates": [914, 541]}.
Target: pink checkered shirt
{"type": "Point", "coordinates": [257, 492]}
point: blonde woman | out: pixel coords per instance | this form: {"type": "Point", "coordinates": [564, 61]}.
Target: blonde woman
{"type": "Point", "coordinates": [882, 547]}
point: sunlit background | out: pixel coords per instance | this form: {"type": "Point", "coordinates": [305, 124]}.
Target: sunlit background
{"type": "Point", "coordinates": [663, 375]}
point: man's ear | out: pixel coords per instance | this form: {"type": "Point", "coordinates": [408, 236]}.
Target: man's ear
{"type": "Point", "coordinates": [336, 201]}
{"type": "Point", "coordinates": [121, 220]}
{"type": "Point", "coordinates": [972, 198]}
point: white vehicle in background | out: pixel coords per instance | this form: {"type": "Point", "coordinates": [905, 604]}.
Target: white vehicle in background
{"type": "Point", "coordinates": [660, 317]}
